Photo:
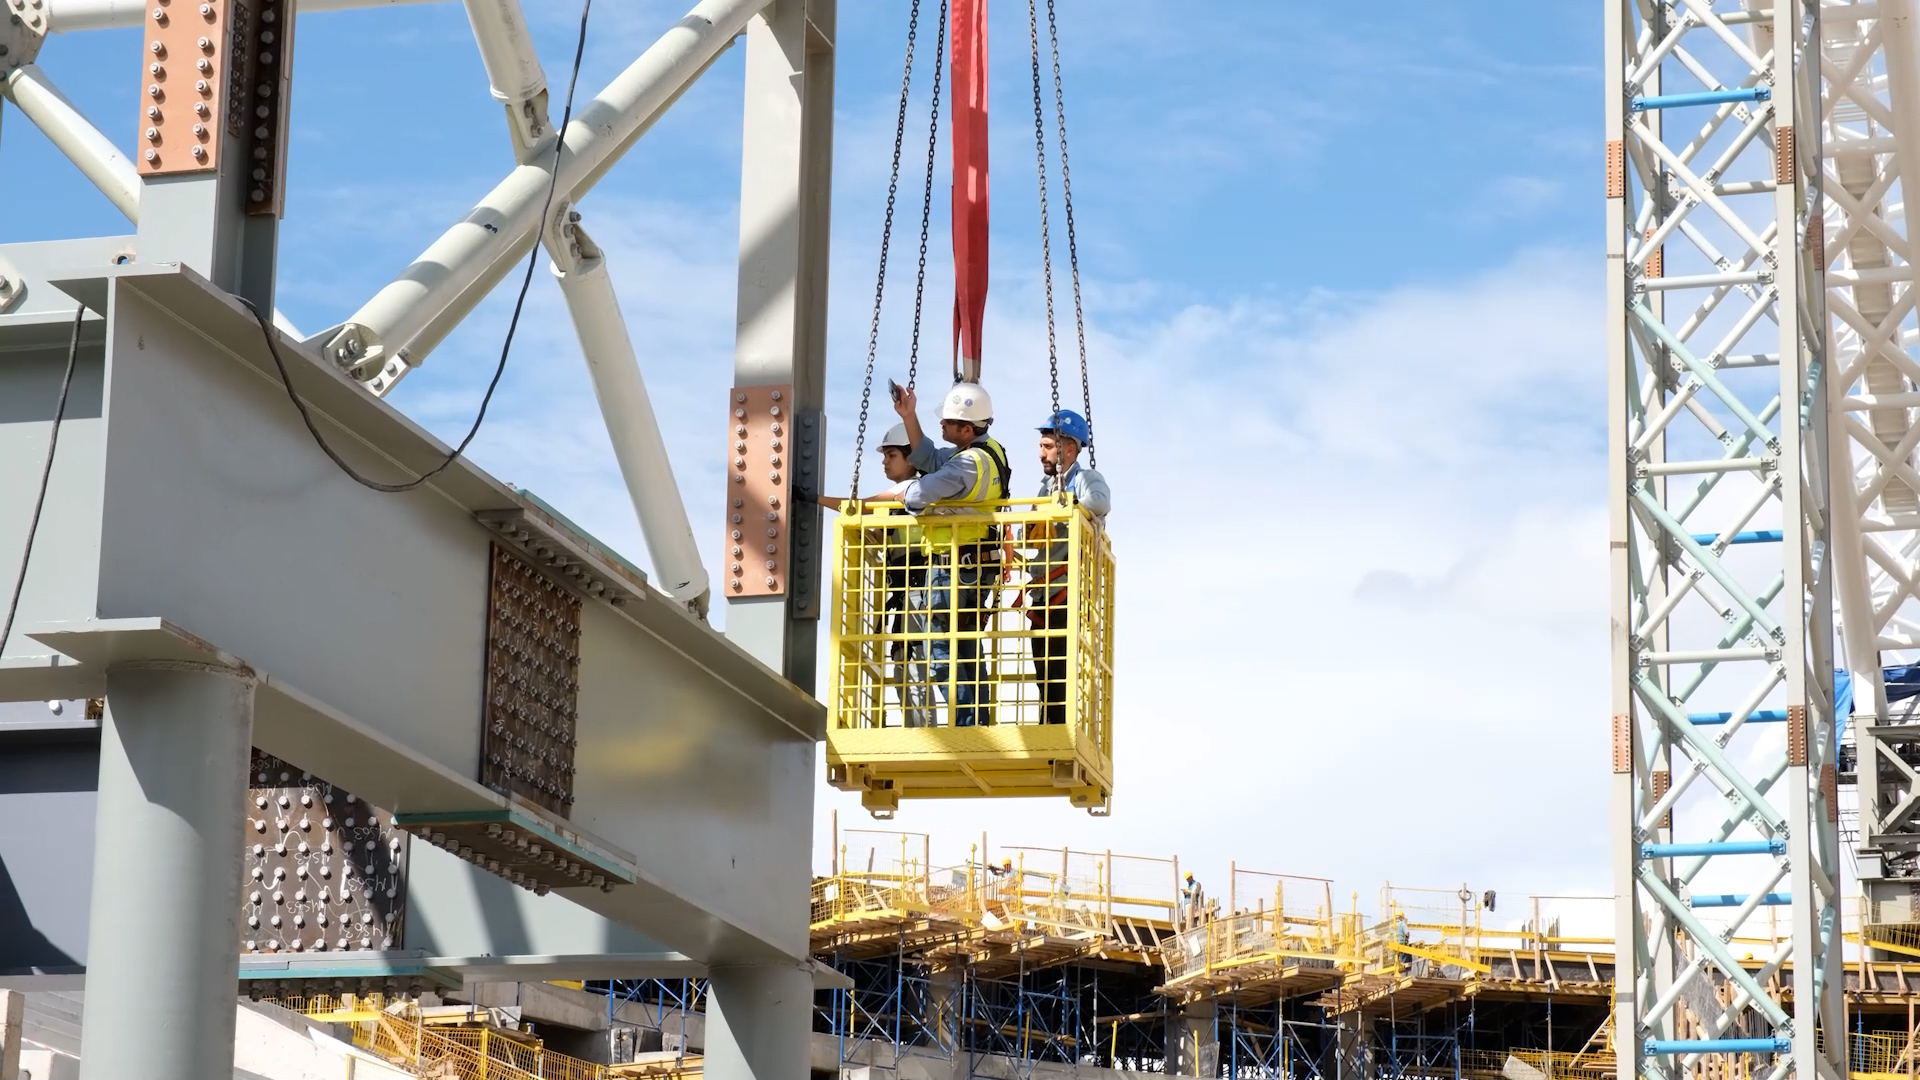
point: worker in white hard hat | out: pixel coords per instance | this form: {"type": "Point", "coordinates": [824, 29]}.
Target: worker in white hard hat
{"type": "Point", "coordinates": [962, 482]}
{"type": "Point", "coordinates": [904, 608]}
{"type": "Point", "coordinates": [1062, 438]}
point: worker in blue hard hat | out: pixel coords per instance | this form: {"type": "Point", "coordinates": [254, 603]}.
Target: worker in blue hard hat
{"type": "Point", "coordinates": [1062, 437]}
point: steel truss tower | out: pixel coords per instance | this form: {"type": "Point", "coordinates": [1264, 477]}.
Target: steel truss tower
{"type": "Point", "coordinates": [1872, 82]}
{"type": "Point", "coordinates": [1723, 733]}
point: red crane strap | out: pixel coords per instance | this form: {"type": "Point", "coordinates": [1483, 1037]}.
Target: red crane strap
{"type": "Point", "coordinates": [969, 53]}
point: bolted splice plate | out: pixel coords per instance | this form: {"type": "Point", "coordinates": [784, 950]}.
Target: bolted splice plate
{"type": "Point", "coordinates": [324, 871]}
{"type": "Point", "coordinates": [760, 464]}
{"type": "Point", "coordinates": [536, 855]}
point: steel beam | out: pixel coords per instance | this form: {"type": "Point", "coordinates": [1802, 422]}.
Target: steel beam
{"type": "Point", "coordinates": [69, 16]}
{"type": "Point", "coordinates": [581, 267]}
{"type": "Point", "coordinates": [513, 71]}
{"type": "Point", "coordinates": [1721, 590]}
{"type": "Point", "coordinates": [780, 336]}
{"type": "Point", "coordinates": [395, 330]}
{"type": "Point", "coordinates": [101, 162]}
{"type": "Point", "coordinates": [694, 770]}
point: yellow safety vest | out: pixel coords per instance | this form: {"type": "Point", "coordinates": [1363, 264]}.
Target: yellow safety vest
{"type": "Point", "coordinates": [990, 477]}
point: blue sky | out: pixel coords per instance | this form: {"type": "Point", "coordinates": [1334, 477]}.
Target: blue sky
{"type": "Point", "coordinates": [1343, 268]}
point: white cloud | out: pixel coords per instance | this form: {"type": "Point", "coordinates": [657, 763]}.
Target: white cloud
{"type": "Point", "coordinates": [1362, 620]}
{"type": "Point", "coordinates": [1362, 623]}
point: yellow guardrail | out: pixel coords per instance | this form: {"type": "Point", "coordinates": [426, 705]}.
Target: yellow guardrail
{"type": "Point", "coordinates": [1412, 939]}
{"type": "Point", "coordinates": [1090, 895]}
{"type": "Point", "coordinates": [1554, 1065]}
{"type": "Point", "coordinates": [392, 1029]}
{"type": "Point", "coordinates": [970, 654]}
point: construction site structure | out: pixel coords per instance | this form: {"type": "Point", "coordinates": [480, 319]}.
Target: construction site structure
{"type": "Point", "coordinates": [330, 704]}
{"type": "Point", "coordinates": [1050, 962]}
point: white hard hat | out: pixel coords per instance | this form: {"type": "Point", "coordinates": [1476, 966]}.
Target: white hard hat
{"type": "Point", "coordinates": [896, 436]}
{"type": "Point", "coordinates": [967, 401]}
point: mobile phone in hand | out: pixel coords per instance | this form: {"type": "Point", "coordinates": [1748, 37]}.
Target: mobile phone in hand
{"type": "Point", "coordinates": [896, 390]}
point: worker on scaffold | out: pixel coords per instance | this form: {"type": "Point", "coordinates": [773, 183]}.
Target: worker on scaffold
{"type": "Point", "coordinates": [971, 478]}
{"type": "Point", "coordinates": [1061, 439]}
{"type": "Point", "coordinates": [905, 605]}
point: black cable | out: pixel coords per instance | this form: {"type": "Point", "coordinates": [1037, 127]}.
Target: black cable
{"type": "Point", "coordinates": [46, 474]}
{"type": "Point", "coordinates": [513, 324]}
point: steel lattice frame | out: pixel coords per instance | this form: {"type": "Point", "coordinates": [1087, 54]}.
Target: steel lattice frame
{"type": "Point", "coordinates": [1719, 536]}
{"type": "Point", "coordinates": [1872, 82]}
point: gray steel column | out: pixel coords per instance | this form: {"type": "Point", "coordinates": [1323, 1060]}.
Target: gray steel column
{"type": "Point", "coordinates": [781, 325]}
{"type": "Point", "coordinates": [164, 932]}
{"type": "Point", "coordinates": [758, 1022]}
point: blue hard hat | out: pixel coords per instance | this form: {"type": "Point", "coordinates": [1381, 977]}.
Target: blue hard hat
{"type": "Point", "coordinates": [1069, 423]}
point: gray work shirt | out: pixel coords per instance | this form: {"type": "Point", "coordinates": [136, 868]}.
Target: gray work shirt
{"type": "Point", "coordinates": [945, 474]}
{"type": "Point", "coordinates": [1087, 487]}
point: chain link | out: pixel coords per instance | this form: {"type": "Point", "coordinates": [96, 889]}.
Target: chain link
{"type": "Point", "coordinates": [886, 241]}
{"type": "Point", "coordinates": [926, 197]}
{"type": "Point", "coordinates": [1073, 248]}
{"type": "Point", "coordinates": [1046, 250]}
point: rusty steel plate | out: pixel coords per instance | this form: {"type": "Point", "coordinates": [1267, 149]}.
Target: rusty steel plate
{"type": "Point", "coordinates": [324, 871]}
{"type": "Point", "coordinates": [532, 684]}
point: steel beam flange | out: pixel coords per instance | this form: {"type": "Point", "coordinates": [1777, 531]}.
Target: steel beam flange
{"type": "Point", "coordinates": [21, 35]}
{"type": "Point", "coordinates": [536, 854]}
{"type": "Point", "coordinates": [13, 287]}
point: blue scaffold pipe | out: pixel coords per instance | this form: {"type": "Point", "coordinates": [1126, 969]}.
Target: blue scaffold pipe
{"type": "Point", "coordinates": [1772, 899]}
{"type": "Point", "coordinates": [1721, 847]}
{"type": "Point", "coordinates": [1717, 1046]}
{"type": "Point", "coordinates": [1704, 97]}
{"type": "Point", "coordinates": [1751, 536]}
{"type": "Point", "coordinates": [1758, 716]}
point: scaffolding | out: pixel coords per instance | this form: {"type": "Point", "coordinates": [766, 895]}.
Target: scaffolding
{"type": "Point", "coordinates": [1015, 961]}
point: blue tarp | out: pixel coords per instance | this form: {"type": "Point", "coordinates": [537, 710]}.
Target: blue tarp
{"type": "Point", "coordinates": [1901, 682]}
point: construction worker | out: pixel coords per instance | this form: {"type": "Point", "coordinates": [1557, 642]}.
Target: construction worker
{"type": "Point", "coordinates": [906, 582]}
{"type": "Point", "coordinates": [1193, 901]}
{"type": "Point", "coordinates": [1062, 438]}
{"type": "Point", "coordinates": [963, 555]}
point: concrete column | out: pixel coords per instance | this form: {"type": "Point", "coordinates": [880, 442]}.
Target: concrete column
{"type": "Point", "coordinates": [1193, 1041]}
{"type": "Point", "coordinates": [13, 1006]}
{"type": "Point", "coordinates": [759, 1022]}
{"type": "Point", "coordinates": [945, 992]}
{"type": "Point", "coordinates": [1355, 1060]}
{"type": "Point", "coordinates": [163, 937]}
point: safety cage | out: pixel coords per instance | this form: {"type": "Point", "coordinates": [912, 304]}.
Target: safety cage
{"type": "Point", "coordinates": [971, 654]}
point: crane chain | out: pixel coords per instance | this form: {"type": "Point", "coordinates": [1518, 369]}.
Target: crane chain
{"type": "Point", "coordinates": [1073, 247]}
{"type": "Point", "coordinates": [926, 197]}
{"type": "Point", "coordinates": [1046, 251]}
{"type": "Point", "coordinates": [886, 240]}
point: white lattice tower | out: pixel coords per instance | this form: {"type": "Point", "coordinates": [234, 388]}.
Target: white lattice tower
{"type": "Point", "coordinates": [1872, 92]}
{"type": "Point", "coordinates": [1722, 636]}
